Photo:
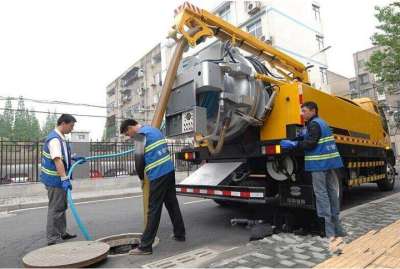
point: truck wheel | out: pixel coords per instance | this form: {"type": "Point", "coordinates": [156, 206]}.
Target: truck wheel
{"type": "Point", "coordinates": [387, 184]}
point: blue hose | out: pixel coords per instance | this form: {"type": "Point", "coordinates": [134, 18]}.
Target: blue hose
{"type": "Point", "coordinates": [74, 211]}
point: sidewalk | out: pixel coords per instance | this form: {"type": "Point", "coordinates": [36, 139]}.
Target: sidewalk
{"type": "Point", "coordinates": [291, 251]}
{"type": "Point", "coordinates": [29, 195]}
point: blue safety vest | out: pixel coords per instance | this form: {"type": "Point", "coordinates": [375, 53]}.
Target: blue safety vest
{"type": "Point", "coordinates": [156, 154]}
{"type": "Point", "coordinates": [49, 175]}
{"type": "Point", "coordinates": [325, 155]}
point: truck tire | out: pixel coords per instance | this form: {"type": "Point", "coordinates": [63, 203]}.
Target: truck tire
{"type": "Point", "coordinates": [387, 184]}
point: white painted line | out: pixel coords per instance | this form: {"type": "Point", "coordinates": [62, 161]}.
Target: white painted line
{"type": "Point", "coordinates": [79, 203]}
{"type": "Point", "coordinates": [197, 201]}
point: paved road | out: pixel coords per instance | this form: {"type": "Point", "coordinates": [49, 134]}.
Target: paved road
{"type": "Point", "coordinates": [207, 226]}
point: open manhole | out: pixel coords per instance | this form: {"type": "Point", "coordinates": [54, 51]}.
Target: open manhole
{"type": "Point", "coordinates": [121, 244]}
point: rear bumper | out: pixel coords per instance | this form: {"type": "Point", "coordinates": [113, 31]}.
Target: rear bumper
{"type": "Point", "coordinates": [243, 194]}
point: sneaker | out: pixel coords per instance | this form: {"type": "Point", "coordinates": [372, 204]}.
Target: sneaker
{"type": "Point", "coordinates": [68, 236]}
{"type": "Point", "coordinates": [138, 251]}
{"type": "Point", "coordinates": [179, 238]}
{"type": "Point", "coordinates": [336, 245]}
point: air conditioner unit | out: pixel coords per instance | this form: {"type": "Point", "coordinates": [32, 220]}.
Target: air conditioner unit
{"type": "Point", "coordinates": [140, 73]}
{"type": "Point", "coordinates": [140, 91]}
{"type": "Point", "coordinates": [126, 98]}
{"type": "Point", "coordinates": [267, 39]}
{"type": "Point", "coordinates": [252, 7]}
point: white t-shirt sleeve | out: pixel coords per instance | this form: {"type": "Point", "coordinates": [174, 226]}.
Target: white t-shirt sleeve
{"type": "Point", "coordinates": [55, 148]}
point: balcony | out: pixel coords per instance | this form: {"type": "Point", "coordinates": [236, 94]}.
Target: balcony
{"type": "Point", "coordinates": [132, 75]}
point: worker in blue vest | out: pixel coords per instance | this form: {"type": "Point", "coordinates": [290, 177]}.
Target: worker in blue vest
{"type": "Point", "coordinates": [56, 160]}
{"type": "Point", "coordinates": [160, 171]}
{"type": "Point", "coordinates": [321, 159]}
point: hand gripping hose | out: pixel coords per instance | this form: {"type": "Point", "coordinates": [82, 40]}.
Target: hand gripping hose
{"type": "Point", "coordinates": [71, 204]}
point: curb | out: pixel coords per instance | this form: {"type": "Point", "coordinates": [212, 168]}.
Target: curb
{"type": "Point", "coordinates": [358, 207]}
{"type": "Point", "coordinates": [8, 208]}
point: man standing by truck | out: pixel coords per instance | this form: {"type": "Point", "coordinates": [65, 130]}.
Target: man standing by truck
{"type": "Point", "coordinates": [56, 160]}
{"type": "Point", "coordinates": [321, 159]}
{"type": "Point", "coordinates": [160, 171]}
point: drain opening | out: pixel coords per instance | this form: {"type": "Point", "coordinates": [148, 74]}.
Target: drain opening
{"type": "Point", "coordinates": [121, 244]}
{"type": "Point", "coordinates": [122, 249]}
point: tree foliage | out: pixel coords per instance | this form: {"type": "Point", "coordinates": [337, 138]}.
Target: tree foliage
{"type": "Point", "coordinates": [385, 63]}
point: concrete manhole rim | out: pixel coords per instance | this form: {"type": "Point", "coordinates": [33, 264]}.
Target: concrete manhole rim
{"type": "Point", "coordinates": [133, 237]}
{"type": "Point", "coordinates": [49, 257]}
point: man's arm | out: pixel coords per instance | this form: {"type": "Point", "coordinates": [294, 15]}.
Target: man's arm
{"type": "Point", "coordinates": [60, 168]}
{"type": "Point", "coordinates": [314, 134]}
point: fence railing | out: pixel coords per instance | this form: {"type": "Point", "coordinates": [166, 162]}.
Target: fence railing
{"type": "Point", "coordinates": [20, 162]}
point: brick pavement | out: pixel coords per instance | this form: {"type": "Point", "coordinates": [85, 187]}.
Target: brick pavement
{"type": "Point", "coordinates": [292, 251]}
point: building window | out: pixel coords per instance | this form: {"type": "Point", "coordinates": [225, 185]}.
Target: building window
{"type": "Point", "coordinates": [364, 78]}
{"type": "Point", "coordinates": [110, 107]}
{"type": "Point", "coordinates": [320, 41]}
{"type": "Point", "coordinates": [157, 79]}
{"type": "Point", "coordinates": [317, 13]}
{"type": "Point", "coordinates": [361, 63]}
{"type": "Point", "coordinates": [353, 85]}
{"type": "Point", "coordinates": [81, 137]}
{"type": "Point", "coordinates": [324, 75]}
{"type": "Point", "coordinates": [255, 28]}
{"type": "Point", "coordinates": [367, 93]}
{"type": "Point", "coordinates": [156, 59]}
{"type": "Point", "coordinates": [225, 13]}
{"type": "Point", "coordinates": [111, 92]}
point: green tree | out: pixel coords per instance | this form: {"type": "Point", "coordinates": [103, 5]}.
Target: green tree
{"type": "Point", "coordinates": [49, 124]}
{"type": "Point", "coordinates": [385, 63]}
{"type": "Point", "coordinates": [22, 130]}
{"type": "Point", "coordinates": [6, 121]}
{"type": "Point", "coordinates": [34, 127]}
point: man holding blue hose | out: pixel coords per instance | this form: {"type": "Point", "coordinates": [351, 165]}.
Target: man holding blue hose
{"type": "Point", "coordinates": [160, 171]}
{"type": "Point", "coordinates": [56, 160]}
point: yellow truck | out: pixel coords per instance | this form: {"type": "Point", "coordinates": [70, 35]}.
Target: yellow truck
{"type": "Point", "coordinates": [238, 97]}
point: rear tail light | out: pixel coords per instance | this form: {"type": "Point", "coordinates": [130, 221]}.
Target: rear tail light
{"type": "Point", "coordinates": [271, 149]}
{"type": "Point", "coordinates": [190, 155]}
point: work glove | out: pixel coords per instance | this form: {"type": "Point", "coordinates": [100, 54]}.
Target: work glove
{"type": "Point", "coordinates": [288, 144]}
{"type": "Point", "coordinates": [76, 158]}
{"type": "Point", "coordinates": [66, 184]}
{"type": "Point", "coordinates": [302, 133]}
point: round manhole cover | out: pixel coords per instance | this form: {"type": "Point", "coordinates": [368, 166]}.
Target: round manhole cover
{"type": "Point", "coordinates": [121, 244]}
{"type": "Point", "coordinates": [72, 254]}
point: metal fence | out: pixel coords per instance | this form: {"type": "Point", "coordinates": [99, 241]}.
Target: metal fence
{"type": "Point", "coordinates": [20, 161]}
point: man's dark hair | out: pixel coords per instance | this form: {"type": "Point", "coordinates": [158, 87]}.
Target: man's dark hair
{"type": "Point", "coordinates": [65, 118]}
{"type": "Point", "coordinates": [125, 124]}
{"type": "Point", "coordinates": [311, 105]}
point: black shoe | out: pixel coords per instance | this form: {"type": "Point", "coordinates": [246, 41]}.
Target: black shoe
{"type": "Point", "coordinates": [179, 238]}
{"type": "Point", "coordinates": [68, 236]}
{"type": "Point", "coordinates": [51, 243]}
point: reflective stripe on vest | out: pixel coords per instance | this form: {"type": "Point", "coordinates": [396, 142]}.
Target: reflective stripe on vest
{"type": "Point", "coordinates": [154, 145]}
{"type": "Point", "coordinates": [321, 157]}
{"type": "Point", "coordinates": [48, 156]}
{"type": "Point", "coordinates": [157, 163]}
{"type": "Point", "coordinates": [49, 172]}
{"type": "Point", "coordinates": [326, 139]}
